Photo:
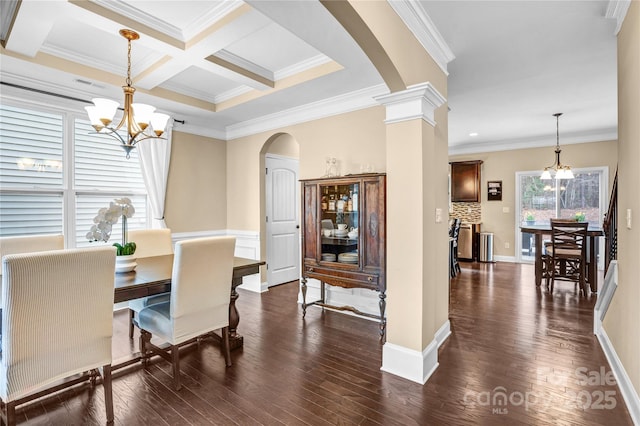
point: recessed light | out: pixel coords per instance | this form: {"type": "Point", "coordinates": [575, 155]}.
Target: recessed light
{"type": "Point", "coordinates": [473, 134]}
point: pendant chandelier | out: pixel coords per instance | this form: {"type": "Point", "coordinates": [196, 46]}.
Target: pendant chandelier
{"type": "Point", "coordinates": [560, 170]}
{"type": "Point", "coordinates": [140, 120]}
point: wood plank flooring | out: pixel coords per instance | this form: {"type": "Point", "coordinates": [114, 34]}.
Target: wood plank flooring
{"type": "Point", "coordinates": [509, 338]}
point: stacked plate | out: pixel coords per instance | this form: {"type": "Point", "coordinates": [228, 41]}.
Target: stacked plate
{"type": "Point", "coordinates": [328, 257]}
{"type": "Point", "coordinates": [348, 258]}
{"type": "Point", "coordinates": [340, 232]}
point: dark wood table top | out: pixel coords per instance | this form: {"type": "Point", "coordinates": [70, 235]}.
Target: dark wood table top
{"type": "Point", "coordinates": [592, 230]}
{"type": "Point", "coordinates": [153, 276]}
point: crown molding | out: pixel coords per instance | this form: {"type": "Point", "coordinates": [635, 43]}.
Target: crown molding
{"type": "Point", "coordinates": [600, 135]}
{"type": "Point", "coordinates": [189, 91]}
{"type": "Point", "coordinates": [617, 9]}
{"type": "Point", "coordinates": [353, 101]}
{"type": "Point", "coordinates": [207, 131]}
{"type": "Point", "coordinates": [417, 20]}
{"type": "Point", "coordinates": [241, 62]}
{"type": "Point", "coordinates": [232, 93]}
{"type": "Point", "coordinates": [416, 102]}
{"type": "Point", "coordinates": [301, 66]}
{"type": "Point", "coordinates": [202, 23]}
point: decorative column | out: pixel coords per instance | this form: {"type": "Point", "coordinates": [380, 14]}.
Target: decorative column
{"type": "Point", "coordinates": [417, 231]}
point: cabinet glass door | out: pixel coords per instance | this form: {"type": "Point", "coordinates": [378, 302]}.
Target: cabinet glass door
{"type": "Point", "coordinates": [339, 227]}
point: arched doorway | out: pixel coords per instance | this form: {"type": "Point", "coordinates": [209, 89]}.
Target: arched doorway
{"type": "Point", "coordinates": [282, 207]}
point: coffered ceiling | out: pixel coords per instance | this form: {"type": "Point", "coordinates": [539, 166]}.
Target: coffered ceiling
{"type": "Point", "coordinates": [217, 65]}
{"type": "Point", "coordinates": [232, 68]}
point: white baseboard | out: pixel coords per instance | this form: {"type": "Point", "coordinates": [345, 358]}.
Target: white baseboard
{"type": "Point", "coordinates": [605, 296]}
{"type": "Point", "coordinates": [410, 364]}
{"type": "Point", "coordinates": [443, 333]}
{"type": "Point", "coordinates": [622, 378]}
{"type": "Point", "coordinates": [509, 259]}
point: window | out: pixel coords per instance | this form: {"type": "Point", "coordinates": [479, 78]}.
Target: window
{"type": "Point", "coordinates": [55, 175]}
{"type": "Point", "coordinates": [539, 201]}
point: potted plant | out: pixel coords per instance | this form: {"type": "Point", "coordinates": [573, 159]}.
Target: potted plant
{"type": "Point", "coordinates": [530, 218]}
{"type": "Point", "coordinates": [101, 231]}
{"type": "Point", "coordinates": [580, 217]}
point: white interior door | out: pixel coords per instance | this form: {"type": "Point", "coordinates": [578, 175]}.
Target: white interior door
{"type": "Point", "coordinates": [282, 197]}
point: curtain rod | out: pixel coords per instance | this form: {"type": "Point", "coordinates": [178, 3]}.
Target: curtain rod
{"type": "Point", "coordinates": [71, 98]}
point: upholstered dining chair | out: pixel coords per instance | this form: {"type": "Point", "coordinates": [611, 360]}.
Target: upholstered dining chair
{"type": "Point", "coordinates": [566, 258]}
{"type": "Point", "coordinates": [199, 303]}
{"type": "Point", "coordinates": [57, 322]}
{"type": "Point", "coordinates": [28, 244]}
{"type": "Point", "coordinates": [149, 242]}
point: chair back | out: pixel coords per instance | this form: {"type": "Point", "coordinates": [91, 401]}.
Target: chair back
{"type": "Point", "coordinates": [568, 238]}
{"type": "Point", "coordinates": [201, 286]}
{"type": "Point", "coordinates": [57, 316]}
{"type": "Point", "coordinates": [29, 244]}
{"type": "Point", "coordinates": [151, 242]}
{"type": "Point", "coordinates": [454, 231]}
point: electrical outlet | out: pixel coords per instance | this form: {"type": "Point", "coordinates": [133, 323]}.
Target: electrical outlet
{"type": "Point", "coordinates": [505, 210]}
{"type": "Point", "coordinates": [438, 215]}
{"type": "Point", "coordinates": [507, 245]}
{"type": "Point", "coordinates": [628, 218]}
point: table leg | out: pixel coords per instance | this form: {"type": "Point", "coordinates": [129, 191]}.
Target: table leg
{"type": "Point", "coordinates": [538, 240]}
{"type": "Point", "coordinates": [235, 340]}
{"type": "Point", "coordinates": [592, 266]}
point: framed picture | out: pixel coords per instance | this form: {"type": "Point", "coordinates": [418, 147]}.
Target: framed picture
{"type": "Point", "coordinates": [494, 190]}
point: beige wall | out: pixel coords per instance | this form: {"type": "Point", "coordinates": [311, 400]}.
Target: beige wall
{"type": "Point", "coordinates": [623, 316]}
{"type": "Point", "coordinates": [354, 138]}
{"type": "Point", "coordinates": [284, 145]}
{"type": "Point", "coordinates": [503, 166]}
{"type": "Point", "coordinates": [196, 187]}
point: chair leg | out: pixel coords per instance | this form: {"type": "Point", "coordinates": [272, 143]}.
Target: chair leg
{"type": "Point", "coordinates": [225, 346]}
{"type": "Point", "coordinates": [11, 413]}
{"type": "Point", "coordinates": [132, 315]}
{"type": "Point", "coordinates": [108, 392]}
{"type": "Point", "coordinates": [145, 338]}
{"type": "Point", "coordinates": [175, 361]}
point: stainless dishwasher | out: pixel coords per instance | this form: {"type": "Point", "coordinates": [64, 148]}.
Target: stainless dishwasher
{"type": "Point", "coordinates": [465, 242]}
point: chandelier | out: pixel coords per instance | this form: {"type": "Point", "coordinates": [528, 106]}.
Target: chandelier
{"type": "Point", "coordinates": [561, 171]}
{"type": "Point", "coordinates": [140, 119]}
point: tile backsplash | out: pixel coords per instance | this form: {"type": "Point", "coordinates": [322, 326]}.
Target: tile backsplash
{"type": "Point", "coordinates": [468, 212]}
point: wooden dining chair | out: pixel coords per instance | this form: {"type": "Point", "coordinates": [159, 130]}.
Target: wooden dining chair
{"type": "Point", "coordinates": [567, 255]}
{"type": "Point", "coordinates": [149, 243]}
{"type": "Point", "coordinates": [57, 323]}
{"type": "Point", "coordinates": [454, 233]}
{"type": "Point", "coordinates": [199, 302]}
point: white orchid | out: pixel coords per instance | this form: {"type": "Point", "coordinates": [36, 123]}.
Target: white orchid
{"type": "Point", "coordinates": [107, 217]}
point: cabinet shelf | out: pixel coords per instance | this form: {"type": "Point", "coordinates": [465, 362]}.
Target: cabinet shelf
{"type": "Point", "coordinates": [368, 192]}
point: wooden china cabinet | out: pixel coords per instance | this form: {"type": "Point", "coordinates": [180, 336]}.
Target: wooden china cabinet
{"type": "Point", "coordinates": [343, 237]}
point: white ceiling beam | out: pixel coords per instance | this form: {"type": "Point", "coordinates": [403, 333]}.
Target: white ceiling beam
{"type": "Point", "coordinates": [32, 24]}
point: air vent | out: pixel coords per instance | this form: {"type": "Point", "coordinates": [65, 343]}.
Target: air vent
{"type": "Point", "coordinates": [85, 82]}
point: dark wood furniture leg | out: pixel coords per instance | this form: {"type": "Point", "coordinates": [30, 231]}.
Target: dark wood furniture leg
{"type": "Point", "coordinates": [304, 296]}
{"type": "Point", "coordinates": [383, 319]}
{"type": "Point", "coordinates": [592, 266]}
{"type": "Point", "coordinates": [108, 392]}
{"type": "Point", "coordinates": [538, 240]}
{"type": "Point", "coordinates": [235, 340]}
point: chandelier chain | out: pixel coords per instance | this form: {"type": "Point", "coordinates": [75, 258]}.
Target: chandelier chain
{"type": "Point", "coordinates": [129, 82]}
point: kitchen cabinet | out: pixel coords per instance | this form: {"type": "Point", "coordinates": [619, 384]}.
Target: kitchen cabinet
{"type": "Point", "coordinates": [344, 237]}
{"type": "Point", "coordinates": [465, 181]}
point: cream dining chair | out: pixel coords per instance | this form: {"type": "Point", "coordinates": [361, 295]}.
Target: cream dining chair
{"type": "Point", "coordinates": [199, 304]}
{"type": "Point", "coordinates": [149, 242]}
{"type": "Point", "coordinates": [57, 322]}
{"type": "Point", "coordinates": [28, 244]}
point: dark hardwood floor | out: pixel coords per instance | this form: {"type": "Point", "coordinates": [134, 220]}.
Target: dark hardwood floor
{"type": "Point", "coordinates": [509, 338]}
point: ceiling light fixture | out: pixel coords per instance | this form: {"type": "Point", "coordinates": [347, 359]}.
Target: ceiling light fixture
{"type": "Point", "coordinates": [561, 171]}
{"type": "Point", "coordinates": [136, 117]}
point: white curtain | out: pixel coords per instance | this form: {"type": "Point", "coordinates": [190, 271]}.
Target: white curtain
{"type": "Point", "coordinates": [155, 155]}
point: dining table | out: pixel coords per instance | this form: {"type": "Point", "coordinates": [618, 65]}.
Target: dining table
{"type": "Point", "coordinates": [153, 276]}
{"type": "Point", "coordinates": [593, 232]}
